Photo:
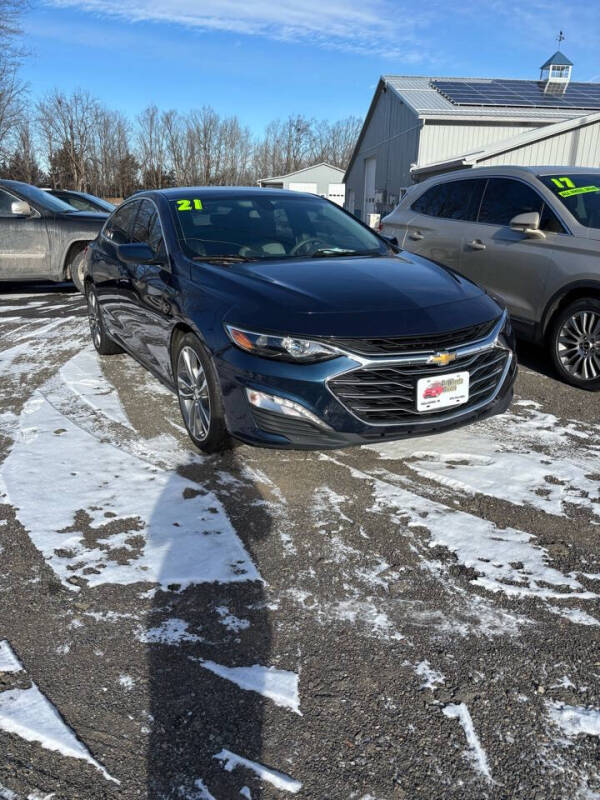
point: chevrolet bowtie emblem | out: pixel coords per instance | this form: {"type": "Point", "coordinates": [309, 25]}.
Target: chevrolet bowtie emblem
{"type": "Point", "coordinates": [442, 359]}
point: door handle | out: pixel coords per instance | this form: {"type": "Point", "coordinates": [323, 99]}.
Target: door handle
{"type": "Point", "coordinates": [416, 235]}
{"type": "Point", "coordinates": [477, 244]}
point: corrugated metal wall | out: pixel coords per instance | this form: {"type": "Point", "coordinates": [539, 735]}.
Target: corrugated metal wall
{"type": "Point", "coordinates": [440, 140]}
{"type": "Point", "coordinates": [578, 148]}
{"type": "Point", "coordinates": [393, 138]}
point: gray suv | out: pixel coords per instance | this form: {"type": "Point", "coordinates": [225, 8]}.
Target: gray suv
{"type": "Point", "coordinates": [531, 236]}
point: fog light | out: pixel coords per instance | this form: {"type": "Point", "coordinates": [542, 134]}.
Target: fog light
{"type": "Point", "coordinates": [281, 405]}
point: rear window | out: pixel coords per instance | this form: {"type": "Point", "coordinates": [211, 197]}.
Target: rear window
{"type": "Point", "coordinates": [452, 200]}
{"type": "Point", "coordinates": [579, 193]}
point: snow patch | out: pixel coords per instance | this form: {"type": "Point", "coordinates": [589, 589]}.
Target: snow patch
{"type": "Point", "coordinates": [8, 660]}
{"type": "Point", "coordinates": [278, 685]}
{"type": "Point", "coordinates": [172, 631]}
{"type": "Point", "coordinates": [83, 375]}
{"type": "Point", "coordinates": [230, 621]}
{"type": "Point", "coordinates": [164, 537]}
{"type": "Point", "coordinates": [575, 720]}
{"type": "Point", "coordinates": [477, 754]}
{"type": "Point", "coordinates": [432, 677]}
{"type": "Point", "coordinates": [277, 779]}
{"type": "Point", "coordinates": [28, 714]}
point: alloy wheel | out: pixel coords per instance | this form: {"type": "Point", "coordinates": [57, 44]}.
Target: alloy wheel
{"type": "Point", "coordinates": [94, 318]}
{"type": "Point", "coordinates": [192, 387]}
{"type": "Point", "coordinates": [578, 345]}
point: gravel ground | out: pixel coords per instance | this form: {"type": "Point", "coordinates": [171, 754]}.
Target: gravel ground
{"type": "Point", "coordinates": [413, 620]}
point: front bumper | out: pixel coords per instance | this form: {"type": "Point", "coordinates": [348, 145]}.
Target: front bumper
{"type": "Point", "coordinates": [309, 386]}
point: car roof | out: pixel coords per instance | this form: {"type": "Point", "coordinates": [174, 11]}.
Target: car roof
{"type": "Point", "coordinates": [218, 191]}
{"type": "Point", "coordinates": [501, 169]}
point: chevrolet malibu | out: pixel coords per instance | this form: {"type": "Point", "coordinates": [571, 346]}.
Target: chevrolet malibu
{"type": "Point", "coordinates": [281, 320]}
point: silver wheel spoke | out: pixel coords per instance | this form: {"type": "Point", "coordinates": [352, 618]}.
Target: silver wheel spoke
{"type": "Point", "coordinates": [193, 393]}
{"type": "Point", "coordinates": [578, 345]}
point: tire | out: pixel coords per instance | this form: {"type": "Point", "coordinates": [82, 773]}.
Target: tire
{"type": "Point", "coordinates": [199, 395]}
{"type": "Point", "coordinates": [575, 343]}
{"type": "Point", "coordinates": [78, 271]}
{"type": "Point", "coordinates": [102, 341]}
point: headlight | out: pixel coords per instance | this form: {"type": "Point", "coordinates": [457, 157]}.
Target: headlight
{"type": "Point", "coordinates": [284, 348]}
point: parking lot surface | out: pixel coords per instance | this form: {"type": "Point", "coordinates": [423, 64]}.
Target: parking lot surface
{"type": "Point", "coordinates": [417, 619]}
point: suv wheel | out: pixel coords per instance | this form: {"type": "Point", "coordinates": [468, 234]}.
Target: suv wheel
{"type": "Point", "coordinates": [77, 270]}
{"type": "Point", "coordinates": [575, 343]}
{"type": "Point", "coordinates": [199, 395]}
{"type": "Point", "coordinates": [102, 341]}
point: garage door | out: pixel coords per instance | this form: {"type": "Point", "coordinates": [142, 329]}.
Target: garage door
{"type": "Point", "coordinates": [337, 193]}
{"type": "Point", "coordinates": [304, 187]}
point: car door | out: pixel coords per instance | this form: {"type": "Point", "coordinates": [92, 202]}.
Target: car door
{"type": "Point", "coordinates": [111, 275]}
{"type": "Point", "coordinates": [24, 242]}
{"type": "Point", "coordinates": [507, 262]}
{"type": "Point", "coordinates": [154, 294]}
{"type": "Point", "coordinates": [435, 230]}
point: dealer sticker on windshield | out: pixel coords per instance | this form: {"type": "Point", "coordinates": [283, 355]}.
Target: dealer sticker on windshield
{"type": "Point", "coordinates": [442, 391]}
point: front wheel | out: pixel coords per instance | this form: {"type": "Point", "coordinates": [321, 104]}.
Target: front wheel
{"type": "Point", "coordinates": [200, 396]}
{"type": "Point", "coordinates": [575, 343]}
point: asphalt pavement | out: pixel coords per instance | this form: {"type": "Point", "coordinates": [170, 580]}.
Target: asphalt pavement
{"type": "Point", "coordinates": [418, 619]}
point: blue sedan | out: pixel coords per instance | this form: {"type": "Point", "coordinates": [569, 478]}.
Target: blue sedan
{"type": "Point", "coordinates": [283, 321]}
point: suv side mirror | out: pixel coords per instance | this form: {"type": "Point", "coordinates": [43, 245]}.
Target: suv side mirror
{"type": "Point", "coordinates": [136, 253]}
{"type": "Point", "coordinates": [529, 224]}
{"type": "Point", "coordinates": [20, 208]}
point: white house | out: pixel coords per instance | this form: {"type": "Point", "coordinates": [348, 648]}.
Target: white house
{"type": "Point", "coordinates": [322, 179]}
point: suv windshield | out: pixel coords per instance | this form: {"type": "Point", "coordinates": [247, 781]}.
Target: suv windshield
{"type": "Point", "coordinates": [256, 226]}
{"type": "Point", "coordinates": [580, 193]}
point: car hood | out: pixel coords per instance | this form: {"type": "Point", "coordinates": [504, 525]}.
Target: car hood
{"type": "Point", "coordinates": [372, 296]}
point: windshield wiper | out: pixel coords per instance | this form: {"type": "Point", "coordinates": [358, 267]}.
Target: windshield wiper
{"type": "Point", "coordinates": [327, 252]}
{"type": "Point", "coordinates": [224, 258]}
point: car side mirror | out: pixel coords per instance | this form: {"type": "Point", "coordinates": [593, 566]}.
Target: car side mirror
{"type": "Point", "coordinates": [528, 224]}
{"type": "Point", "coordinates": [392, 240]}
{"type": "Point", "coordinates": [136, 253]}
{"type": "Point", "coordinates": [20, 208]}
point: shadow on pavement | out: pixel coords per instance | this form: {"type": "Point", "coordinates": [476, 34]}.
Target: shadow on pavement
{"type": "Point", "coordinates": [536, 358]}
{"type": "Point", "coordinates": [195, 713]}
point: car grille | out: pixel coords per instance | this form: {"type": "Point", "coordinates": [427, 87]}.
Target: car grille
{"type": "Point", "coordinates": [388, 395]}
{"type": "Point", "coordinates": [416, 344]}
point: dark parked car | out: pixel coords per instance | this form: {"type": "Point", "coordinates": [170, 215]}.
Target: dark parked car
{"type": "Point", "coordinates": [82, 201]}
{"type": "Point", "coordinates": [41, 237]}
{"type": "Point", "coordinates": [280, 319]}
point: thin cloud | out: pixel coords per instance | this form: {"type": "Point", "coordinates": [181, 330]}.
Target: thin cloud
{"type": "Point", "coordinates": [352, 26]}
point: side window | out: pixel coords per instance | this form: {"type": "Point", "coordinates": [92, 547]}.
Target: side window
{"type": "Point", "coordinates": [118, 227]}
{"type": "Point", "coordinates": [155, 235]}
{"type": "Point", "coordinates": [462, 199]}
{"type": "Point", "coordinates": [429, 202]}
{"type": "Point", "coordinates": [6, 201]}
{"type": "Point", "coordinates": [550, 222]}
{"type": "Point", "coordinates": [141, 228]}
{"type": "Point", "coordinates": [505, 198]}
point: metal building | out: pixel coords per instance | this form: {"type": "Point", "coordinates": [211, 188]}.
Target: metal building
{"type": "Point", "coordinates": [417, 126]}
{"type": "Point", "coordinates": [322, 179]}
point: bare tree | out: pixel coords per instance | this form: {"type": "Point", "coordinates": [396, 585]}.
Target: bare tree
{"type": "Point", "coordinates": [67, 125]}
{"type": "Point", "coordinates": [11, 89]}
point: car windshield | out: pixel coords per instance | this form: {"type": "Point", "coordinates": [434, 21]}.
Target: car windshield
{"type": "Point", "coordinates": [580, 193]}
{"type": "Point", "coordinates": [255, 226]}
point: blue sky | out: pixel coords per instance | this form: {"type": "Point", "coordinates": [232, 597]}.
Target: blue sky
{"type": "Point", "coordinates": [262, 59]}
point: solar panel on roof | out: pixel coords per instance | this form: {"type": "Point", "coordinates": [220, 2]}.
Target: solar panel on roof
{"type": "Point", "coordinates": [518, 94]}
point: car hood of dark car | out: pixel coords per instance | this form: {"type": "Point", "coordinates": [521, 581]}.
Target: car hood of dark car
{"type": "Point", "coordinates": [371, 296]}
